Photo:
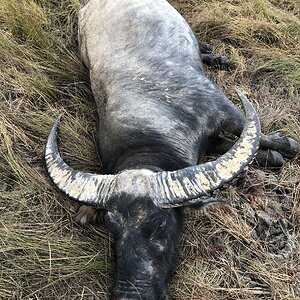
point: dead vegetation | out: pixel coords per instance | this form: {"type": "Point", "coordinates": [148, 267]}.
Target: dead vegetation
{"type": "Point", "coordinates": [248, 250]}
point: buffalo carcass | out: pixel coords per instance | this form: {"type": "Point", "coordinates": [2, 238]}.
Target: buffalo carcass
{"type": "Point", "coordinates": [161, 114]}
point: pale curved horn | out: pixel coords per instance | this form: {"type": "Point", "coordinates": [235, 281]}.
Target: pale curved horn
{"type": "Point", "coordinates": [85, 187]}
{"type": "Point", "coordinates": [184, 186]}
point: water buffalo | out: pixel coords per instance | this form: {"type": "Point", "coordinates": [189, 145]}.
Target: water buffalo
{"type": "Point", "coordinates": [160, 115]}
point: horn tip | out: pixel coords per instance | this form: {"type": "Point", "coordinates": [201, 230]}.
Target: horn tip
{"type": "Point", "coordinates": [58, 118]}
{"type": "Point", "coordinates": [241, 95]}
{"type": "Point", "coordinates": [57, 122]}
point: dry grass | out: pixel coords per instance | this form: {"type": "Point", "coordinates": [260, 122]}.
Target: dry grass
{"type": "Point", "coordinates": [226, 253]}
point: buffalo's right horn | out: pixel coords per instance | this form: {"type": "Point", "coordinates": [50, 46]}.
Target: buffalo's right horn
{"type": "Point", "coordinates": [89, 188]}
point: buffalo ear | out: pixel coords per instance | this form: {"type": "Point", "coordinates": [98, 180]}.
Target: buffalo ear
{"type": "Point", "coordinates": [88, 215]}
{"type": "Point", "coordinates": [208, 202]}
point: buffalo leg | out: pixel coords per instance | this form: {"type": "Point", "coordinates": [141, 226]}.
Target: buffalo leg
{"type": "Point", "coordinates": [264, 158]}
{"type": "Point", "coordinates": [270, 154]}
{"type": "Point", "coordinates": [286, 146]}
{"type": "Point", "coordinates": [272, 147]}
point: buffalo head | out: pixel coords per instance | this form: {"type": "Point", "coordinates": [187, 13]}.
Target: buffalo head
{"type": "Point", "coordinates": [142, 207]}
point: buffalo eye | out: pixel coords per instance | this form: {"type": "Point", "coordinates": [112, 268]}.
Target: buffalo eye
{"type": "Point", "coordinates": [158, 237]}
{"type": "Point", "coordinates": [158, 229]}
{"type": "Point", "coordinates": [162, 225]}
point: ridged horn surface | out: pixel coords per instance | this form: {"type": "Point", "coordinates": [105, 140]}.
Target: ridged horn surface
{"type": "Point", "coordinates": [184, 186]}
{"type": "Point", "coordinates": [85, 187]}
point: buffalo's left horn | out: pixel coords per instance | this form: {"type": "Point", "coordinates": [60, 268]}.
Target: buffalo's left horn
{"type": "Point", "coordinates": [85, 187]}
{"type": "Point", "coordinates": [184, 186]}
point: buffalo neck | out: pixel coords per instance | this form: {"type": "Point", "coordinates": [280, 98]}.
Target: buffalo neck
{"type": "Point", "coordinates": [156, 120]}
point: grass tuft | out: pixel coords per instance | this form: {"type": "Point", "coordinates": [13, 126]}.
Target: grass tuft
{"type": "Point", "coordinates": [246, 250]}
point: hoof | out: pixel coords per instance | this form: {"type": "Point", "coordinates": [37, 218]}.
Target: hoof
{"type": "Point", "coordinates": [290, 149]}
{"type": "Point", "coordinates": [269, 159]}
{"type": "Point", "coordinates": [220, 62]}
{"type": "Point", "coordinates": [205, 48]}
{"type": "Point", "coordinates": [223, 61]}
{"type": "Point", "coordinates": [286, 146]}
